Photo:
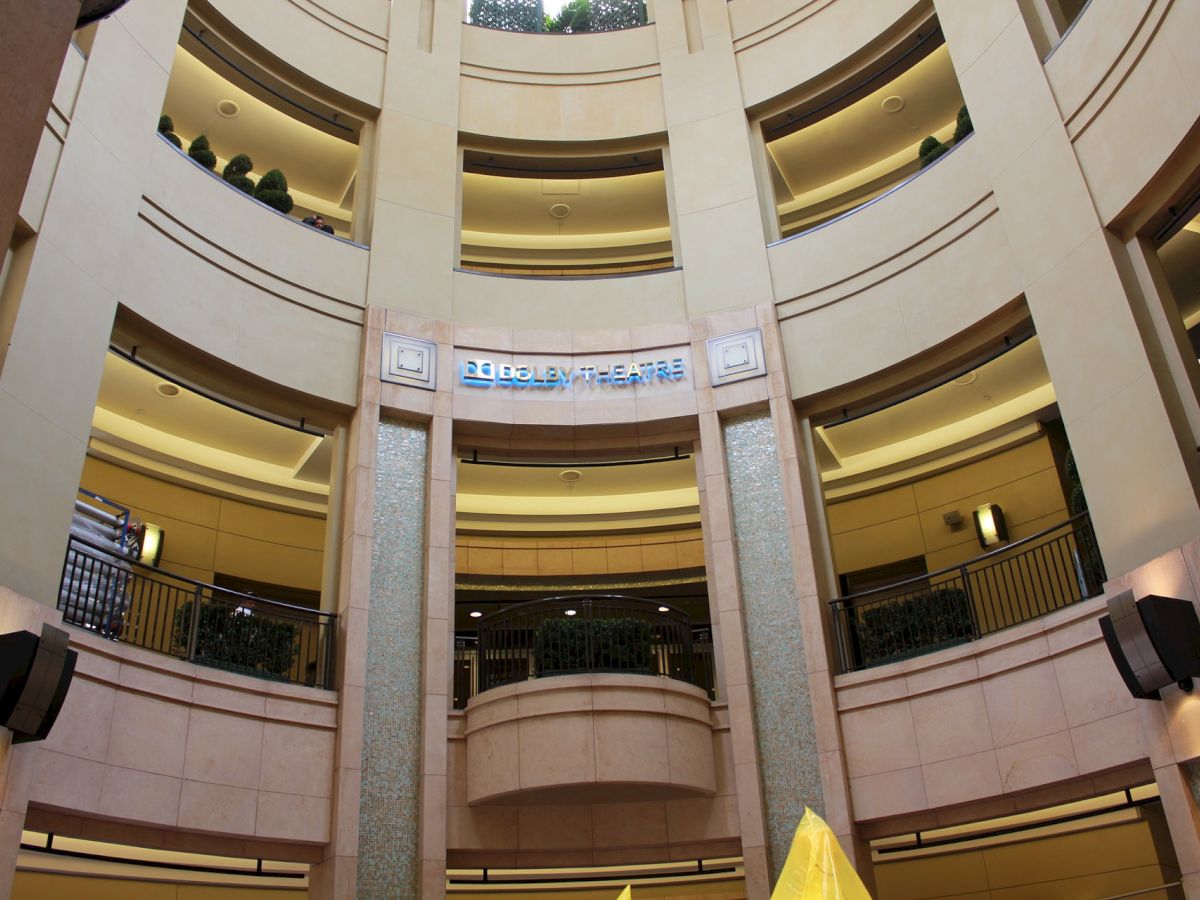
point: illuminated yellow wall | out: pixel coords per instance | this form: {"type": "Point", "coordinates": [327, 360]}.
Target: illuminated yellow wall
{"type": "Point", "coordinates": [1103, 862]}
{"type": "Point", "coordinates": [53, 886]}
{"type": "Point", "coordinates": [205, 533]}
{"type": "Point", "coordinates": [658, 552]}
{"type": "Point", "coordinates": [906, 521]}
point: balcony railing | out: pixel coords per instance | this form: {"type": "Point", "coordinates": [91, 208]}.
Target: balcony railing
{"type": "Point", "coordinates": [579, 17]}
{"type": "Point", "coordinates": [575, 634]}
{"type": "Point", "coordinates": [128, 601]}
{"type": "Point", "coordinates": [1013, 584]}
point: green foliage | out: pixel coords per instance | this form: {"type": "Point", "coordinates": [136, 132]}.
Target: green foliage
{"type": "Point", "coordinates": [236, 170]}
{"type": "Point", "coordinates": [202, 153]}
{"type": "Point", "coordinates": [1076, 502]}
{"type": "Point", "coordinates": [272, 189]}
{"type": "Point", "coordinates": [238, 640]}
{"type": "Point", "coordinates": [509, 15]}
{"type": "Point", "coordinates": [573, 18]}
{"type": "Point", "coordinates": [166, 127]}
{"type": "Point", "coordinates": [600, 645]}
{"type": "Point", "coordinates": [963, 127]}
{"type": "Point", "coordinates": [894, 629]}
{"type": "Point", "coordinates": [612, 15]}
{"type": "Point", "coordinates": [931, 149]}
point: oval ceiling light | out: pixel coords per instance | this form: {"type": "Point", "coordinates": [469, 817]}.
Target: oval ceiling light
{"type": "Point", "coordinates": [560, 211]}
{"type": "Point", "coordinates": [569, 612]}
{"type": "Point", "coordinates": [893, 104]}
{"type": "Point", "coordinates": [664, 609]}
{"type": "Point", "coordinates": [228, 108]}
{"type": "Point", "coordinates": [475, 614]}
{"type": "Point", "coordinates": [570, 476]}
{"type": "Point", "coordinates": [166, 389]}
{"type": "Point", "coordinates": [964, 380]}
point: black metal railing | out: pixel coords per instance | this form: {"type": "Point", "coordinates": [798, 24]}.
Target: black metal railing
{"type": "Point", "coordinates": [1013, 584]}
{"type": "Point", "coordinates": [128, 601]}
{"type": "Point", "coordinates": [466, 664]}
{"type": "Point", "coordinates": [577, 18]}
{"type": "Point", "coordinates": [579, 633]}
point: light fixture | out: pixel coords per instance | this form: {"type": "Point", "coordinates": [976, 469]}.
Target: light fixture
{"type": "Point", "coordinates": [570, 612]}
{"type": "Point", "coordinates": [1152, 641]}
{"type": "Point", "coordinates": [166, 389]}
{"type": "Point", "coordinates": [990, 526]}
{"type": "Point", "coordinates": [953, 519]}
{"type": "Point", "coordinates": [664, 609]}
{"type": "Point", "coordinates": [228, 108]}
{"type": "Point", "coordinates": [152, 544]}
{"type": "Point", "coordinates": [476, 614]}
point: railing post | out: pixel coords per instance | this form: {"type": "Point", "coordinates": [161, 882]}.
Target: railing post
{"type": "Point", "coordinates": [331, 637]}
{"type": "Point", "coordinates": [966, 579]}
{"type": "Point", "coordinates": [193, 634]}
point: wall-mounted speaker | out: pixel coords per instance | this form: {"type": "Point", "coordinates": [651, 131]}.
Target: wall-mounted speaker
{"type": "Point", "coordinates": [1153, 642]}
{"type": "Point", "coordinates": [35, 674]}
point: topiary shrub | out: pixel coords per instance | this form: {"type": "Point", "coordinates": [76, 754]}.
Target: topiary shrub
{"type": "Point", "coordinates": [963, 127]}
{"type": "Point", "coordinates": [235, 172]}
{"type": "Point", "coordinates": [202, 153]}
{"type": "Point", "coordinates": [566, 645]}
{"type": "Point", "coordinates": [166, 127]}
{"type": "Point", "coordinates": [931, 149]}
{"type": "Point", "coordinates": [272, 189]}
{"type": "Point", "coordinates": [237, 639]}
{"type": "Point", "coordinates": [899, 628]}
{"type": "Point", "coordinates": [574, 18]}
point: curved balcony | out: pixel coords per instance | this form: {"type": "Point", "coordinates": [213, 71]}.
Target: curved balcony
{"type": "Point", "coordinates": [120, 598]}
{"type": "Point", "coordinates": [1024, 580]}
{"type": "Point", "coordinates": [582, 634]}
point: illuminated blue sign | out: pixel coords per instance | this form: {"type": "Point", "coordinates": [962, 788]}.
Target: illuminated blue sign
{"type": "Point", "coordinates": [485, 373]}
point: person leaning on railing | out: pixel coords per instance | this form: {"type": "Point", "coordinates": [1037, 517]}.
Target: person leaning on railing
{"type": "Point", "coordinates": [318, 222]}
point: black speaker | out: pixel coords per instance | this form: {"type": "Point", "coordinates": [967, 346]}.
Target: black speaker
{"type": "Point", "coordinates": [35, 674]}
{"type": "Point", "coordinates": [1153, 642]}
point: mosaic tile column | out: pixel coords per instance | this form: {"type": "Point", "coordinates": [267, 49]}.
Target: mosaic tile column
{"type": "Point", "coordinates": [389, 805]}
{"type": "Point", "coordinates": [788, 760]}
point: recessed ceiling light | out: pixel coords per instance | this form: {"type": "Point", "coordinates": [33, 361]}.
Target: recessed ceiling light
{"type": "Point", "coordinates": [664, 609]}
{"type": "Point", "coordinates": [570, 612]}
{"type": "Point", "coordinates": [475, 614]}
{"type": "Point", "coordinates": [228, 108]}
{"type": "Point", "coordinates": [964, 380]}
{"type": "Point", "coordinates": [166, 389]}
{"type": "Point", "coordinates": [893, 104]}
{"type": "Point", "coordinates": [570, 476]}
{"type": "Point", "coordinates": [560, 211]}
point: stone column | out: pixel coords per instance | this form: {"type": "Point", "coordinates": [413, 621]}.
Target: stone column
{"type": "Point", "coordinates": [1122, 419]}
{"type": "Point", "coordinates": [415, 151]}
{"type": "Point", "coordinates": [717, 226]}
{"type": "Point", "coordinates": [64, 317]}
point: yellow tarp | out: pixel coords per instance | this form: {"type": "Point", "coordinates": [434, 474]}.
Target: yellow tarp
{"type": "Point", "coordinates": [626, 894]}
{"type": "Point", "coordinates": [816, 867]}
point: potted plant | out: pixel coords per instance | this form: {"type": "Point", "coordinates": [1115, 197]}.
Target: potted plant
{"type": "Point", "coordinates": [272, 189]}
{"type": "Point", "coordinates": [237, 639]}
{"type": "Point", "coordinates": [963, 126]}
{"type": "Point", "coordinates": [931, 148]}
{"type": "Point", "coordinates": [166, 127]}
{"type": "Point", "coordinates": [202, 153]}
{"type": "Point", "coordinates": [236, 171]}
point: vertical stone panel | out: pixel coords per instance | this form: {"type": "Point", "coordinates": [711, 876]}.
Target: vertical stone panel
{"type": "Point", "coordinates": [787, 743]}
{"type": "Point", "coordinates": [388, 813]}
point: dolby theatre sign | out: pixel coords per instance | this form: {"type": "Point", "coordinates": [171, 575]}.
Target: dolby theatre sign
{"type": "Point", "coordinates": [484, 373]}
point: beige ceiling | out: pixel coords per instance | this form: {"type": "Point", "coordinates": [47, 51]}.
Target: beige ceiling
{"type": "Point", "coordinates": [535, 498]}
{"type": "Point", "coordinates": [316, 164]}
{"type": "Point", "coordinates": [601, 208]}
{"type": "Point", "coordinates": [964, 415]}
{"type": "Point", "coordinates": [858, 137]}
{"type": "Point", "coordinates": [191, 439]}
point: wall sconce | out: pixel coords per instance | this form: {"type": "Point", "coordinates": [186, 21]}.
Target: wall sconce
{"type": "Point", "coordinates": [1153, 642]}
{"type": "Point", "coordinates": [990, 527]}
{"type": "Point", "coordinates": [35, 674]}
{"type": "Point", "coordinates": [152, 544]}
